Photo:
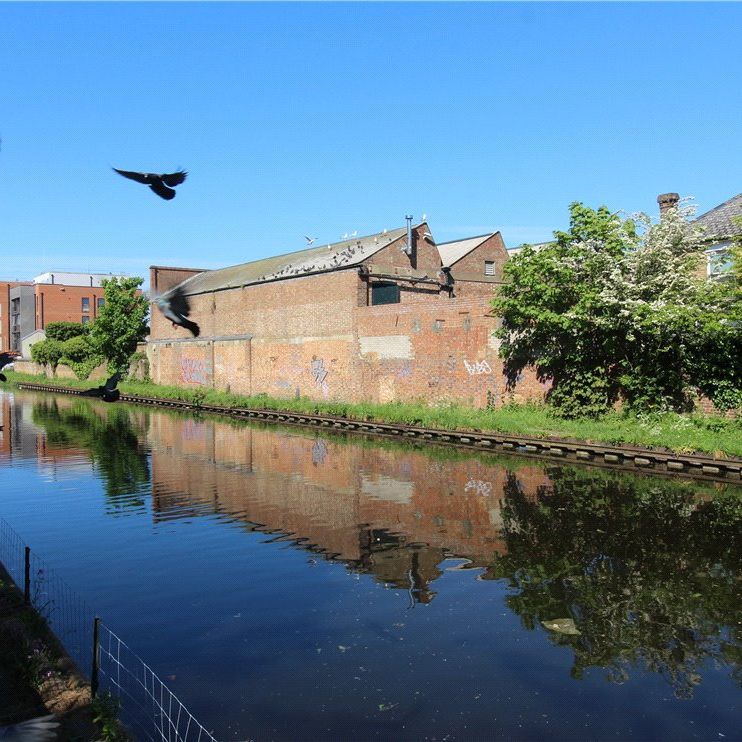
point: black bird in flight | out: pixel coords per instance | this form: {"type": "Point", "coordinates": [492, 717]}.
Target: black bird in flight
{"type": "Point", "coordinates": [176, 307]}
{"type": "Point", "coordinates": [158, 183]}
{"type": "Point", "coordinates": [107, 392]}
{"type": "Point", "coordinates": [5, 359]}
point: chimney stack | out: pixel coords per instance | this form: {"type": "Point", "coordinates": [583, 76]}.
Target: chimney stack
{"type": "Point", "coordinates": [667, 201]}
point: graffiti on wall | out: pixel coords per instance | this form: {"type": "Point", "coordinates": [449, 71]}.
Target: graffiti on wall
{"type": "Point", "coordinates": [319, 375]}
{"type": "Point", "coordinates": [476, 368]}
{"type": "Point", "coordinates": [195, 371]}
{"type": "Point", "coordinates": [405, 371]}
{"type": "Point", "coordinates": [479, 487]}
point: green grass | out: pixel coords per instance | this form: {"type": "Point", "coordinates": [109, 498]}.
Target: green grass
{"type": "Point", "coordinates": [710, 434]}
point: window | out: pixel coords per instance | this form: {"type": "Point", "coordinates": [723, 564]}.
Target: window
{"type": "Point", "coordinates": [384, 293]}
{"type": "Point", "coordinates": [489, 267]}
{"type": "Point", "coordinates": [101, 302]}
{"type": "Point", "coordinates": [719, 262]}
{"type": "Point", "coordinates": [85, 319]}
{"type": "Point", "coordinates": [85, 304]}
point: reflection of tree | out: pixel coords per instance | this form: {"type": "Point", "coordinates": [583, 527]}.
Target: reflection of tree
{"type": "Point", "coordinates": [107, 433]}
{"type": "Point", "coordinates": [648, 572]}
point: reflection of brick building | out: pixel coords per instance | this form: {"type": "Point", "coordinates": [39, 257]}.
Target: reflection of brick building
{"type": "Point", "coordinates": [7, 327]}
{"type": "Point", "coordinates": [393, 512]}
{"type": "Point", "coordinates": [385, 317]}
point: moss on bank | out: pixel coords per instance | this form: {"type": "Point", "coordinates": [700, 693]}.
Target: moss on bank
{"type": "Point", "coordinates": [690, 433]}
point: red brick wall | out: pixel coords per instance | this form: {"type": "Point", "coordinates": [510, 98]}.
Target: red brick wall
{"type": "Point", "coordinates": [163, 278]}
{"type": "Point", "coordinates": [59, 303]}
{"type": "Point", "coordinates": [314, 336]}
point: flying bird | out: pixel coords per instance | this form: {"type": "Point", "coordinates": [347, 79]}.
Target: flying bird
{"type": "Point", "coordinates": [310, 240]}
{"type": "Point", "coordinates": [5, 359]}
{"type": "Point", "coordinates": [158, 183]}
{"type": "Point", "coordinates": [33, 730]}
{"type": "Point", "coordinates": [176, 307]}
{"type": "Point", "coordinates": [107, 392]}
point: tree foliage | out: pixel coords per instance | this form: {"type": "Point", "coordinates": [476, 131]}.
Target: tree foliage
{"type": "Point", "coordinates": [65, 330]}
{"type": "Point", "coordinates": [47, 352]}
{"type": "Point", "coordinates": [614, 309]}
{"type": "Point", "coordinates": [121, 322]}
{"type": "Point", "coordinates": [81, 354]}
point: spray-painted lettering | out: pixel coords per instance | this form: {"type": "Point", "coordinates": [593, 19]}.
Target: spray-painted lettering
{"type": "Point", "coordinates": [475, 368]}
{"type": "Point", "coordinates": [479, 487]}
{"type": "Point", "coordinates": [194, 371]}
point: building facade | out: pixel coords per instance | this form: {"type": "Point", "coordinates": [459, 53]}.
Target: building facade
{"type": "Point", "coordinates": [380, 318]}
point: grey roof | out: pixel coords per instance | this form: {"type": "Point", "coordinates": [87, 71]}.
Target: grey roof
{"type": "Point", "coordinates": [451, 252]}
{"type": "Point", "coordinates": [343, 254]}
{"type": "Point", "coordinates": [718, 222]}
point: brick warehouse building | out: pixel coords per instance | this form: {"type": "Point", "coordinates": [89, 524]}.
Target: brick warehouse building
{"type": "Point", "coordinates": [390, 316]}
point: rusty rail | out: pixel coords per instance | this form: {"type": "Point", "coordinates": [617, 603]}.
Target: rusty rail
{"type": "Point", "coordinates": [634, 458]}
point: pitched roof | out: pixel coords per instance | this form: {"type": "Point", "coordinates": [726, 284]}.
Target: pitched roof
{"type": "Point", "coordinates": [718, 221]}
{"type": "Point", "coordinates": [343, 254]}
{"type": "Point", "coordinates": [452, 252]}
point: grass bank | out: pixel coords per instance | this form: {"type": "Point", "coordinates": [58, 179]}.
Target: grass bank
{"type": "Point", "coordinates": [691, 433]}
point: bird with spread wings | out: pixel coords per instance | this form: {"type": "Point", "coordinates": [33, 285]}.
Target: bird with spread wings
{"type": "Point", "coordinates": [175, 306]}
{"type": "Point", "coordinates": [162, 184]}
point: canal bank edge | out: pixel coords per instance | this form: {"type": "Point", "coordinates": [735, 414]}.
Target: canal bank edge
{"type": "Point", "coordinates": [23, 696]}
{"type": "Point", "coordinates": [648, 460]}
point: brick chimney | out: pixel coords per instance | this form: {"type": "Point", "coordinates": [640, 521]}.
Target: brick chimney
{"type": "Point", "coordinates": [667, 201]}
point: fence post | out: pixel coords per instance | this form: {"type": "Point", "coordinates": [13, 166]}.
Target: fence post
{"type": "Point", "coordinates": [94, 670]}
{"type": "Point", "coordinates": [27, 577]}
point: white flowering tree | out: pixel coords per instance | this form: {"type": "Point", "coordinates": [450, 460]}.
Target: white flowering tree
{"type": "Point", "coordinates": [614, 309]}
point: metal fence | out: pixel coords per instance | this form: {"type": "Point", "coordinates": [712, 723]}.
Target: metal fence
{"type": "Point", "coordinates": [147, 707]}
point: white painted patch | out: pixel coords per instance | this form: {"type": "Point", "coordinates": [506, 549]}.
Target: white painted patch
{"type": "Point", "coordinates": [387, 346]}
{"type": "Point", "coordinates": [386, 488]}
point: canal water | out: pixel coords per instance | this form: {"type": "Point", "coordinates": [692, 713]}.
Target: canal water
{"type": "Point", "coordinates": [292, 585]}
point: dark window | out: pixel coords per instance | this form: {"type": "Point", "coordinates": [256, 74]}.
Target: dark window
{"type": "Point", "coordinates": [384, 293]}
{"type": "Point", "coordinates": [85, 304]}
{"type": "Point", "coordinates": [85, 319]}
{"type": "Point", "coordinates": [489, 267]}
{"type": "Point", "coordinates": [101, 302]}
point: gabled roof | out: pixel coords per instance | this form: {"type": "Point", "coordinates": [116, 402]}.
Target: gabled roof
{"type": "Point", "coordinates": [718, 221]}
{"type": "Point", "coordinates": [343, 254]}
{"type": "Point", "coordinates": [452, 252]}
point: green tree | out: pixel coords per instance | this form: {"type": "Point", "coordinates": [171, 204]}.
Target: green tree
{"type": "Point", "coordinates": [47, 353]}
{"type": "Point", "coordinates": [80, 353]}
{"type": "Point", "coordinates": [121, 322]}
{"type": "Point", "coordinates": [65, 330]}
{"type": "Point", "coordinates": [613, 309]}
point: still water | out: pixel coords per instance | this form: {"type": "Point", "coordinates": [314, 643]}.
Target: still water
{"type": "Point", "coordinates": [290, 585]}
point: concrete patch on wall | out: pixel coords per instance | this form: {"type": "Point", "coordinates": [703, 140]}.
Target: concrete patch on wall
{"type": "Point", "coordinates": [387, 346]}
{"type": "Point", "coordinates": [386, 488]}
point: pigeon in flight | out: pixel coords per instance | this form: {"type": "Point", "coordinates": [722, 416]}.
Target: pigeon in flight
{"type": "Point", "coordinates": [310, 240]}
{"type": "Point", "coordinates": [5, 359]}
{"type": "Point", "coordinates": [176, 307]}
{"type": "Point", "coordinates": [33, 730]}
{"type": "Point", "coordinates": [107, 392]}
{"type": "Point", "coordinates": [158, 183]}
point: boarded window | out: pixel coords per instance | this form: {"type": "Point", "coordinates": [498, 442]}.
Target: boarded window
{"type": "Point", "coordinates": [489, 267]}
{"type": "Point", "coordinates": [384, 293]}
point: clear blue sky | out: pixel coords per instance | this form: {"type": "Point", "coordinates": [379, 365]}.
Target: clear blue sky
{"type": "Point", "coordinates": [321, 119]}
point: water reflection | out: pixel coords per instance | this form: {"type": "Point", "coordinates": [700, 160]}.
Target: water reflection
{"type": "Point", "coordinates": [633, 574]}
{"type": "Point", "coordinates": [112, 437]}
{"type": "Point", "coordinates": [645, 572]}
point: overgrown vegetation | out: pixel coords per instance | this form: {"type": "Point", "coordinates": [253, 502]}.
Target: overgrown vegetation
{"type": "Point", "coordinates": [113, 337]}
{"type": "Point", "coordinates": [683, 433]}
{"type": "Point", "coordinates": [614, 311]}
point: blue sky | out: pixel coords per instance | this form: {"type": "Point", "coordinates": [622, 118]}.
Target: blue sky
{"type": "Point", "coordinates": [322, 119]}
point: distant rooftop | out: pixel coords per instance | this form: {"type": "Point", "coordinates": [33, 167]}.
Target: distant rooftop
{"type": "Point", "coordinates": [75, 279]}
{"type": "Point", "coordinates": [718, 222]}
{"type": "Point", "coordinates": [326, 257]}
{"type": "Point", "coordinates": [451, 252]}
